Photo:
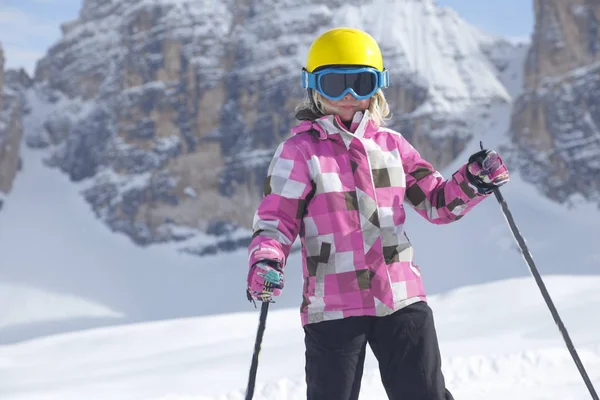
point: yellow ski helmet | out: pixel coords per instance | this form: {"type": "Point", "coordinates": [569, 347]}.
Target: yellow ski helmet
{"type": "Point", "coordinates": [346, 46]}
{"type": "Point", "coordinates": [342, 61]}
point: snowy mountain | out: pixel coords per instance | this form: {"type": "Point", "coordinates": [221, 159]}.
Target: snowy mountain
{"type": "Point", "coordinates": [11, 132]}
{"type": "Point", "coordinates": [555, 123]}
{"type": "Point", "coordinates": [168, 111]}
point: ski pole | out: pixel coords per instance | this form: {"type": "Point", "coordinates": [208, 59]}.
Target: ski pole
{"type": "Point", "coordinates": [538, 279]}
{"type": "Point", "coordinates": [262, 322]}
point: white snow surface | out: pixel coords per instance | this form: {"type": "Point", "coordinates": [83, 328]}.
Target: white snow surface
{"type": "Point", "coordinates": [492, 348]}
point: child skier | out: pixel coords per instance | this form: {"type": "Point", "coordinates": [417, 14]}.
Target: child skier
{"type": "Point", "coordinates": [340, 182]}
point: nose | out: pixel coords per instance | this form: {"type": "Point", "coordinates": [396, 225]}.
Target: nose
{"type": "Point", "coordinates": [348, 96]}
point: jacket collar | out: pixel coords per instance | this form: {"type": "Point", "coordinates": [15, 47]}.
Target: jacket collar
{"type": "Point", "coordinates": [362, 126]}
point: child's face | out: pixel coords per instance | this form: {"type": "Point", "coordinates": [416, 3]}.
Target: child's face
{"type": "Point", "coordinates": [347, 106]}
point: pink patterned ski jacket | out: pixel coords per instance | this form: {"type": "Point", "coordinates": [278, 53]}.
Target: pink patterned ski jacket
{"type": "Point", "coordinates": [343, 192]}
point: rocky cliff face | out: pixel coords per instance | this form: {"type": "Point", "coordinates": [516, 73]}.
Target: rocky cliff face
{"type": "Point", "coordinates": [11, 130]}
{"type": "Point", "coordinates": [168, 112]}
{"type": "Point", "coordinates": [555, 120]}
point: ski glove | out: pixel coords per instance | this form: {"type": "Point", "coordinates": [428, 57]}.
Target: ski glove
{"type": "Point", "coordinates": [486, 171]}
{"type": "Point", "coordinates": [265, 280]}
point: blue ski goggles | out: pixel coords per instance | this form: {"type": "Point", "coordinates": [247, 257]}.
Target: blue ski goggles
{"type": "Point", "coordinates": [335, 83]}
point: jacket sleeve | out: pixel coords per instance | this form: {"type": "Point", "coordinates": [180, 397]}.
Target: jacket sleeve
{"type": "Point", "coordinates": [438, 200]}
{"type": "Point", "coordinates": [278, 217]}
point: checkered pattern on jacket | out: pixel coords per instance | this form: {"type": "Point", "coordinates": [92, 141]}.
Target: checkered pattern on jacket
{"type": "Point", "coordinates": [343, 191]}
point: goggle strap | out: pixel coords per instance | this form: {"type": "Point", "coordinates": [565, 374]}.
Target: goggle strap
{"type": "Point", "coordinates": [309, 80]}
{"type": "Point", "coordinates": [384, 78]}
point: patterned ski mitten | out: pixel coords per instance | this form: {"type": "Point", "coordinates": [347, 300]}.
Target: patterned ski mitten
{"type": "Point", "coordinates": [486, 171]}
{"type": "Point", "coordinates": [265, 281]}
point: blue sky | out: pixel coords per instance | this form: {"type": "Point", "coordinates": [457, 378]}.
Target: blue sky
{"type": "Point", "coordinates": [511, 18]}
{"type": "Point", "coordinates": [29, 27]}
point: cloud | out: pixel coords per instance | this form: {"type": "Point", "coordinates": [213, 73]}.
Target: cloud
{"type": "Point", "coordinates": [25, 37]}
{"type": "Point", "coordinates": [518, 40]}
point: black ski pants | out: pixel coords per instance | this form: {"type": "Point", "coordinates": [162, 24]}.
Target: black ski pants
{"type": "Point", "coordinates": [405, 345]}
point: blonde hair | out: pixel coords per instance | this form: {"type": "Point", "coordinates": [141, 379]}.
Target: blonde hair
{"type": "Point", "coordinates": [378, 108]}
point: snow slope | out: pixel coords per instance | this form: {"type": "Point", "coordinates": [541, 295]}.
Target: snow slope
{"type": "Point", "coordinates": [493, 348]}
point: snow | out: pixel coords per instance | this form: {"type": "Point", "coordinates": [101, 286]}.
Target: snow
{"type": "Point", "coordinates": [189, 191]}
{"type": "Point", "coordinates": [552, 32]}
{"type": "Point", "coordinates": [509, 58]}
{"type": "Point", "coordinates": [572, 74]}
{"type": "Point", "coordinates": [137, 90]}
{"type": "Point", "coordinates": [50, 241]}
{"type": "Point", "coordinates": [44, 306]}
{"type": "Point", "coordinates": [579, 10]}
{"type": "Point", "coordinates": [491, 349]}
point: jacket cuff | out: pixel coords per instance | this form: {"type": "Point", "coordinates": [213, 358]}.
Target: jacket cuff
{"type": "Point", "coordinates": [267, 253]}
